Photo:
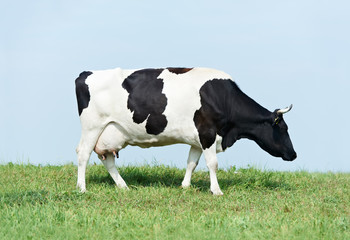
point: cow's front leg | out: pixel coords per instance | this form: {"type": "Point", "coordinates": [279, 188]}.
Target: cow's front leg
{"type": "Point", "coordinates": [109, 163]}
{"type": "Point", "coordinates": [192, 162]}
{"type": "Point", "coordinates": [212, 163]}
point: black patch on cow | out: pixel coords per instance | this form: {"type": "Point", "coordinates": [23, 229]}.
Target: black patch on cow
{"type": "Point", "coordinates": [146, 99]}
{"type": "Point", "coordinates": [208, 119]}
{"type": "Point", "coordinates": [212, 118]}
{"type": "Point", "coordinates": [82, 91]}
{"type": "Point", "coordinates": [179, 70]}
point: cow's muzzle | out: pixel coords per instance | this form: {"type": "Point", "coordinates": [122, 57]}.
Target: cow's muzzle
{"type": "Point", "coordinates": [290, 157]}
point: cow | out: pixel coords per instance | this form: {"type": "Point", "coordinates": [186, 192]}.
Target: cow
{"type": "Point", "coordinates": [201, 107]}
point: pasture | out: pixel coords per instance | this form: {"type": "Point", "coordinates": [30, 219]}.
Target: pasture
{"type": "Point", "coordinates": [41, 202]}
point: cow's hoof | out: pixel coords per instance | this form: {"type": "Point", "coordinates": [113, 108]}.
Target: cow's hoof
{"type": "Point", "coordinates": [185, 185]}
{"type": "Point", "coordinates": [123, 186]}
{"type": "Point", "coordinates": [81, 188]}
{"type": "Point", "coordinates": [217, 192]}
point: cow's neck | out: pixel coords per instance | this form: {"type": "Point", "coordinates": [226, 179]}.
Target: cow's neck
{"type": "Point", "coordinates": [247, 111]}
{"type": "Point", "coordinates": [246, 115]}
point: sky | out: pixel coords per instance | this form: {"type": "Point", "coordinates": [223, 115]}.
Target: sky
{"type": "Point", "coordinates": [279, 52]}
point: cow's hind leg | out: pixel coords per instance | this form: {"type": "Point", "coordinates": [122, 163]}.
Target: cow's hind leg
{"type": "Point", "coordinates": [212, 163]}
{"type": "Point", "coordinates": [192, 162]}
{"type": "Point", "coordinates": [86, 146]}
{"type": "Point", "coordinates": [83, 158]}
{"type": "Point", "coordinates": [109, 163]}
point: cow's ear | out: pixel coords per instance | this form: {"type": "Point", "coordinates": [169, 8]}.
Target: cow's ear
{"type": "Point", "coordinates": [276, 118]}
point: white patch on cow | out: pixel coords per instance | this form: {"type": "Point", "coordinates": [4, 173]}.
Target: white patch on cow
{"type": "Point", "coordinates": [183, 99]}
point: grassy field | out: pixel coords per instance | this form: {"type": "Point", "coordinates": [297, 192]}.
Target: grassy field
{"type": "Point", "coordinates": [42, 203]}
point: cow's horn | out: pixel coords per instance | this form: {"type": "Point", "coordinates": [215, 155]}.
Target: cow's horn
{"type": "Point", "coordinates": [285, 110]}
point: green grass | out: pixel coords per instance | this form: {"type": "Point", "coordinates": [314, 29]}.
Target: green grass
{"type": "Point", "coordinates": [42, 203]}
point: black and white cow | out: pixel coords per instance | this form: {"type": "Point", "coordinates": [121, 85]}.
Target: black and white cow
{"type": "Point", "coordinates": [155, 107]}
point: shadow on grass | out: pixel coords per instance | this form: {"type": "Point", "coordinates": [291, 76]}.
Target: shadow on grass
{"type": "Point", "coordinates": [142, 176]}
{"type": "Point", "coordinates": [172, 177]}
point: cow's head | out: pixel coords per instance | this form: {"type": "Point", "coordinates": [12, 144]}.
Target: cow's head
{"type": "Point", "coordinates": [272, 136]}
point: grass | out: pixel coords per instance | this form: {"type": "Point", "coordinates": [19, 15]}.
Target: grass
{"type": "Point", "coordinates": [42, 203]}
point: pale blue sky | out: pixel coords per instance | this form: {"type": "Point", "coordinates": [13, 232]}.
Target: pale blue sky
{"type": "Point", "coordinates": [279, 52]}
